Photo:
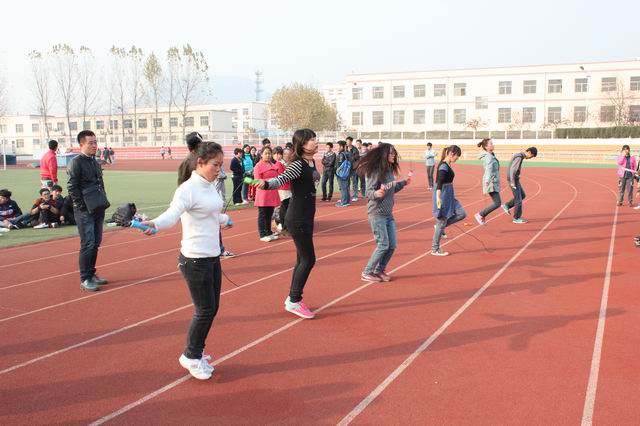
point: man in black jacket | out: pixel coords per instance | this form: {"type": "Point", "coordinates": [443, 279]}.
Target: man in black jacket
{"type": "Point", "coordinates": [237, 168]}
{"type": "Point", "coordinates": [85, 186]}
{"type": "Point", "coordinates": [329, 161]}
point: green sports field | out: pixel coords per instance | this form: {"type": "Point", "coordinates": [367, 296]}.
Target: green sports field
{"type": "Point", "coordinates": [150, 191]}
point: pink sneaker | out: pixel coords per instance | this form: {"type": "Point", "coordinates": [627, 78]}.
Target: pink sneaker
{"type": "Point", "coordinates": [371, 277]}
{"type": "Point", "coordinates": [299, 309]}
{"type": "Point", "coordinates": [479, 219]}
{"type": "Point", "coordinates": [384, 277]}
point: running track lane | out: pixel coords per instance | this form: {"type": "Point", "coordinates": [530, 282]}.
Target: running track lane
{"type": "Point", "coordinates": [177, 327]}
{"type": "Point", "coordinates": [278, 382]}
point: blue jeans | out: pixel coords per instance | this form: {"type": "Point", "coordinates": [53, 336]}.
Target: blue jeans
{"type": "Point", "coordinates": [345, 197]}
{"type": "Point", "coordinates": [354, 183]}
{"type": "Point", "coordinates": [90, 230]}
{"type": "Point", "coordinates": [384, 231]}
{"type": "Point", "coordinates": [516, 202]}
{"type": "Point", "coordinates": [441, 224]}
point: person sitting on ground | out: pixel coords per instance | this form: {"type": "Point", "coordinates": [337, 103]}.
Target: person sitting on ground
{"type": "Point", "coordinates": [44, 211]}
{"type": "Point", "coordinates": [9, 210]}
{"type": "Point", "coordinates": [64, 206]}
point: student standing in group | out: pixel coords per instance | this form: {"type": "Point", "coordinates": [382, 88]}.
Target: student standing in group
{"type": "Point", "coordinates": [266, 199]}
{"type": "Point", "coordinates": [343, 181]}
{"type": "Point", "coordinates": [282, 158]}
{"type": "Point", "coordinates": [362, 151]}
{"type": "Point", "coordinates": [304, 177]}
{"type": "Point", "coordinates": [49, 166]}
{"type": "Point", "coordinates": [490, 179]}
{"type": "Point", "coordinates": [446, 208]}
{"type": "Point", "coordinates": [199, 207]}
{"type": "Point", "coordinates": [329, 161]}
{"type": "Point", "coordinates": [626, 163]}
{"type": "Point", "coordinates": [381, 167]}
{"type": "Point", "coordinates": [513, 177]}
{"type": "Point", "coordinates": [86, 189]}
{"type": "Point", "coordinates": [247, 163]}
{"type": "Point", "coordinates": [430, 162]}
{"type": "Point", "coordinates": [237, 170]}
{"type": "Point", "coordinates": [354, 157]}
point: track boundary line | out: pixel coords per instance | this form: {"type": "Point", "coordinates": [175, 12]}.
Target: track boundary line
{"type": "Point", "coordinates": [358, 409]}
{"type": "Point", "coordinates": [273, 333]}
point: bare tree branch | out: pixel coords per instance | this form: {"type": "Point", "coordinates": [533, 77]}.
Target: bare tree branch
{"type": "Point", "coordinates": [41, 88]}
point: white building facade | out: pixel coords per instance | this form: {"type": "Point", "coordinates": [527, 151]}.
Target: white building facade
{"type": "Point", "coordinates": [529, 100]}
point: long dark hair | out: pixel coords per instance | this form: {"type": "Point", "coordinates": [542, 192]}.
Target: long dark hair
{"type": "Point", "coordinates": [377, 161]}
{"type": "Point", "coordinates": [301, 137]}
{"type": "Point", "coordinates": [453, 149]}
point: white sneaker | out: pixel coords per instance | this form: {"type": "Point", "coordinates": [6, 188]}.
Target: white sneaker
{"type": "Point", "coordinates": [41, 226]}
{"type": "Point", "coordinates": [245, 202]}
{"type": "Point", "coordinates": [273, 237]}
{"type": "Point", "coordinates": [266, 239]}
{"type": "Point", "coordinates": [3, 230]}
{"type": "Point", "coordinates": [637, 207]}
{"type": "Point", "coordinates": [198, 368]}
{"type": "Point", "coordinates": [354, 199]}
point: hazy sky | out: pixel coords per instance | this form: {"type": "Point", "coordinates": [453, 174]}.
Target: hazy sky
{"type": "Point", "coordinates": [321, 41]}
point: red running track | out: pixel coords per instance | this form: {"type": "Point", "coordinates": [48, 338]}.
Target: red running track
{"type": "Point", "coordinates": [506, 336]}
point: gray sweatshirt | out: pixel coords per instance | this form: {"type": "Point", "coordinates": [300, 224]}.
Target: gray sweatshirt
{"type": "Point", "coordinates": [513, 175]}
{"type": "Point", "coordinates": [382, 206]}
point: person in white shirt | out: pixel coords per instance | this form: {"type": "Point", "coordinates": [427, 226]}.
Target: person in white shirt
{"type": "Point", "coordinates": [199, 206]}
{"type": "Point", "coordinates": [430, 162]}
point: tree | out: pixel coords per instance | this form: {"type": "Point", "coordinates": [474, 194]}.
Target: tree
{"type": "Point", "coordinates": [153, 76]}
{"type": "Point", "coordinates": [173, 55]}
{"type": "Point", "coordinates": [516, 121]}
{"type": "Point", "coordinates": [4, 97]}
{"type": "Point", "coordinates": [87, 84]}
{"type": "Point", "coordinates": [119, 82]}
{"type": "Point", "coordinates": [475, 124]}
{"type": "Point", "coordinates": [136, 59]}
{"type": "Point", "coordinates": [41, 89]}
{"type": "Point", "coordinates": [65, 73]}
{"type": "Point", "coordinates": [621, 99]}
{"type": "Point", "coordinates": [302, 106]}
{"type": "Point", "coordinates": [191, 78]}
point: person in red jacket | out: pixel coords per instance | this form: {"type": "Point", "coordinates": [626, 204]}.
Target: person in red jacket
{"type": "Point", "coordinates": [49, 166]}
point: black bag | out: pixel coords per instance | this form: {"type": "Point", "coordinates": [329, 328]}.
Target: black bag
{"type": "Point", "coordinates": [123, 214]}
{"type": "Point", "coordinates": [95, 198]}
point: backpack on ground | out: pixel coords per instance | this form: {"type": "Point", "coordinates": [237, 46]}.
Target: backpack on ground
{"type": "Point", "coordinates": [123, 214]}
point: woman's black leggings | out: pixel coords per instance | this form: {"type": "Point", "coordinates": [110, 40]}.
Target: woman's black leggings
{"type": "Point", "coordinates": [302, 236]}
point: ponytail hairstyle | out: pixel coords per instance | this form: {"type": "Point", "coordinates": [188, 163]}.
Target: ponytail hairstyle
{"type": "Point", "coordinates": [377, 161]}
{"type": "Point", "coordinates": [483, 143]}
{"type": "Point", "coordinates": [453, 150]}
{"type": "Point", "coordinates": [301, 137]}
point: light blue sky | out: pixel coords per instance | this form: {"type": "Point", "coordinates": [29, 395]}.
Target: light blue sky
{"type": "Point", "coordinates": [319, 42]}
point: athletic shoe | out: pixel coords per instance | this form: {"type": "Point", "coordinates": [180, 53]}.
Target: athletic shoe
{"type": "Point", "coordinates": [266, 239]}
{"type": "Point", "coordinates": [354, 199]}
{"type": "Point", "coordinates": [41, 226]}
{"type": "Point", "coordinates": [439, 252]}
{"type": "Point", "coordinates": [273, 237]}
{"type": "Point", "coordinates": [227, 254]}
{"type": "Point", "coordinates": [323, 199]}
{"type": "Point", "coordinates": [339, 204]}
{"type": "Point", "coordinates": [207, 358]}
{"type": "Point", "coordinates": [637, 207]}
{"type": "Point", "coordinates": [299, 309]}
{"type": "Point", "coordinates": [238, 204]}
{"type": "Point", "coordinates": [99, 281]}
{"type": "Point", "coordinates": [89, 285]}
{"type": "Point", "coordinates": [384, 277]}
{"type": "Point", "coordinates": [370, 277]}
{"type": "Point", "coordinates": [4, 230]}
{"type": "Point", "coordinates": [198, 368]}
{"type": "Point", "coordinates": [245, 202]}
{"type": "Point", "coordinates": [506, 209]}
{"type": "Point", "coordinates": [444, 235]}
{"type": "Point", "coordinates": [520, 220]}
{"type": "Point", "coordinates": [479, 219]}
{"type": "Point", "coordinates": [54, 225]}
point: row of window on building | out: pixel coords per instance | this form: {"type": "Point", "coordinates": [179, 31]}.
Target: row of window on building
{"type": "Point", "coordinates": [113, 124]}
{"type": "Point", "coordinates": [581, 85]}
{"type": "Point", "coordinates": [607, 114]}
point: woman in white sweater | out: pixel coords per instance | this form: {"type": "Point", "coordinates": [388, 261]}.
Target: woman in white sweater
{"type": "Point", "coordinates": [198, 205]}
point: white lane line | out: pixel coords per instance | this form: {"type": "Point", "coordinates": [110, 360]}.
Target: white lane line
{"type": "Point", "coordinates": [266, 337]}
{"type": "Point", "coordinates": [592, 386]}
{"type": "Point", "coordinates": [411, 358]}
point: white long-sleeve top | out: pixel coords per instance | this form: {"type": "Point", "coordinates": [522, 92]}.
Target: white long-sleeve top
{"type": "Point", "coordinates": [198, 206]}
